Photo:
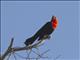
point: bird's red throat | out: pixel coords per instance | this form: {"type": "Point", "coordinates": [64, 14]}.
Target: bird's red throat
{"type": "Point", "coordinates": [54, 23]}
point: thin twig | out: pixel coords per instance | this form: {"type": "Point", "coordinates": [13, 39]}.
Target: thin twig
{"type": "Point", "coordinates": [14, 56]}
{"type": "Point", "coordinates": [8, 50]}
{"type": "Point", "coordinates": [41, 55]}
{"type": "Point", "coordinates": [45, 52]}
{"type": "Point", "coordinates": [9, 56]}
{"type": "Point", "coordinates": [36, 53]}
{"type": "Point", "coordinates": [29, 53]}
{"type": "Point", "coordinates": [20, 56]}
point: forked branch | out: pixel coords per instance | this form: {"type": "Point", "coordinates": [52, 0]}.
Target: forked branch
{"type": "Point", "coordinates": [15, 49]}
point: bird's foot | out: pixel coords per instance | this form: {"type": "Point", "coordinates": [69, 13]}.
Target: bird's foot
{"type": "Point", "coordinates": [47, 37]}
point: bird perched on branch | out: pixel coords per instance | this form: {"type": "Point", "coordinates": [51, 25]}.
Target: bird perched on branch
{"type": "Point", "coordinates": [44, 32]}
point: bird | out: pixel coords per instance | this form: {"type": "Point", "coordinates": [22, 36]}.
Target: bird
{"type": "Point", "coordinates": [44, 32]}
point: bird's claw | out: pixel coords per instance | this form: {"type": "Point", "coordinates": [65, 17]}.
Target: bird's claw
{"type": "Point", "coordinates": [47, 37]}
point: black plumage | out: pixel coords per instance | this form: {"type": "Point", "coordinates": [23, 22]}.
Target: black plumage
{"type": "Point", "coordinates": [45, 30]}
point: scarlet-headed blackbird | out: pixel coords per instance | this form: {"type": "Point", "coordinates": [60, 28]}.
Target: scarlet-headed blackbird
{"type": "Point", "coordinates": [43, 32]}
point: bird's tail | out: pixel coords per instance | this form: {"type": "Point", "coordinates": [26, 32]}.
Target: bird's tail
{"type": "Point", "coordinates": [30, 41]}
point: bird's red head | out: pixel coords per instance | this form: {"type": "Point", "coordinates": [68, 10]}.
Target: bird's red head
{"type": "Point", "coordinates": [54, 22]}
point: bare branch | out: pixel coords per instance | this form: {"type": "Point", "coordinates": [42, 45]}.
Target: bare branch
{"type": "Point", "coordinates": [15, 49]}
{"type": "Point", "coordinates": [41, 55]}
{"type": "Point", "coordinates": [28, 53]}
{"type": "Point", "coordinates": [45, 52]}
{"type": "Point", "coordinates": [27, 48]}
{"type": "Point", "coordinates": [8, 50]}
{"type": "Point", "coordinates": [36, 53]}
{"type": "Point", "coordinates": [20, 56]}
{"type": "Point", "coordinates": [9, 56]}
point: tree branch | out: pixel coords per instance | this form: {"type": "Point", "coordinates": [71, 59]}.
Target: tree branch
{"type": "Point", "coordinates": [8, 50]}
{"type": "Point", "coordinates": [15, 49]}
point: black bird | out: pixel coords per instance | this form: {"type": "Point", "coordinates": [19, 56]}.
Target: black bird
{"type": "Point", "coordinates": [44, 32]}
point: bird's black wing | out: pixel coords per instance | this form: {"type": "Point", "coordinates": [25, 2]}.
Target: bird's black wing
{"type": "Point", "coordinates": [43, 30]}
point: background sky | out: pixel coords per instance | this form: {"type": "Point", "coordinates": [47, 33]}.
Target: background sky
{"type": "Point", "coordinates": [21, 19]}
